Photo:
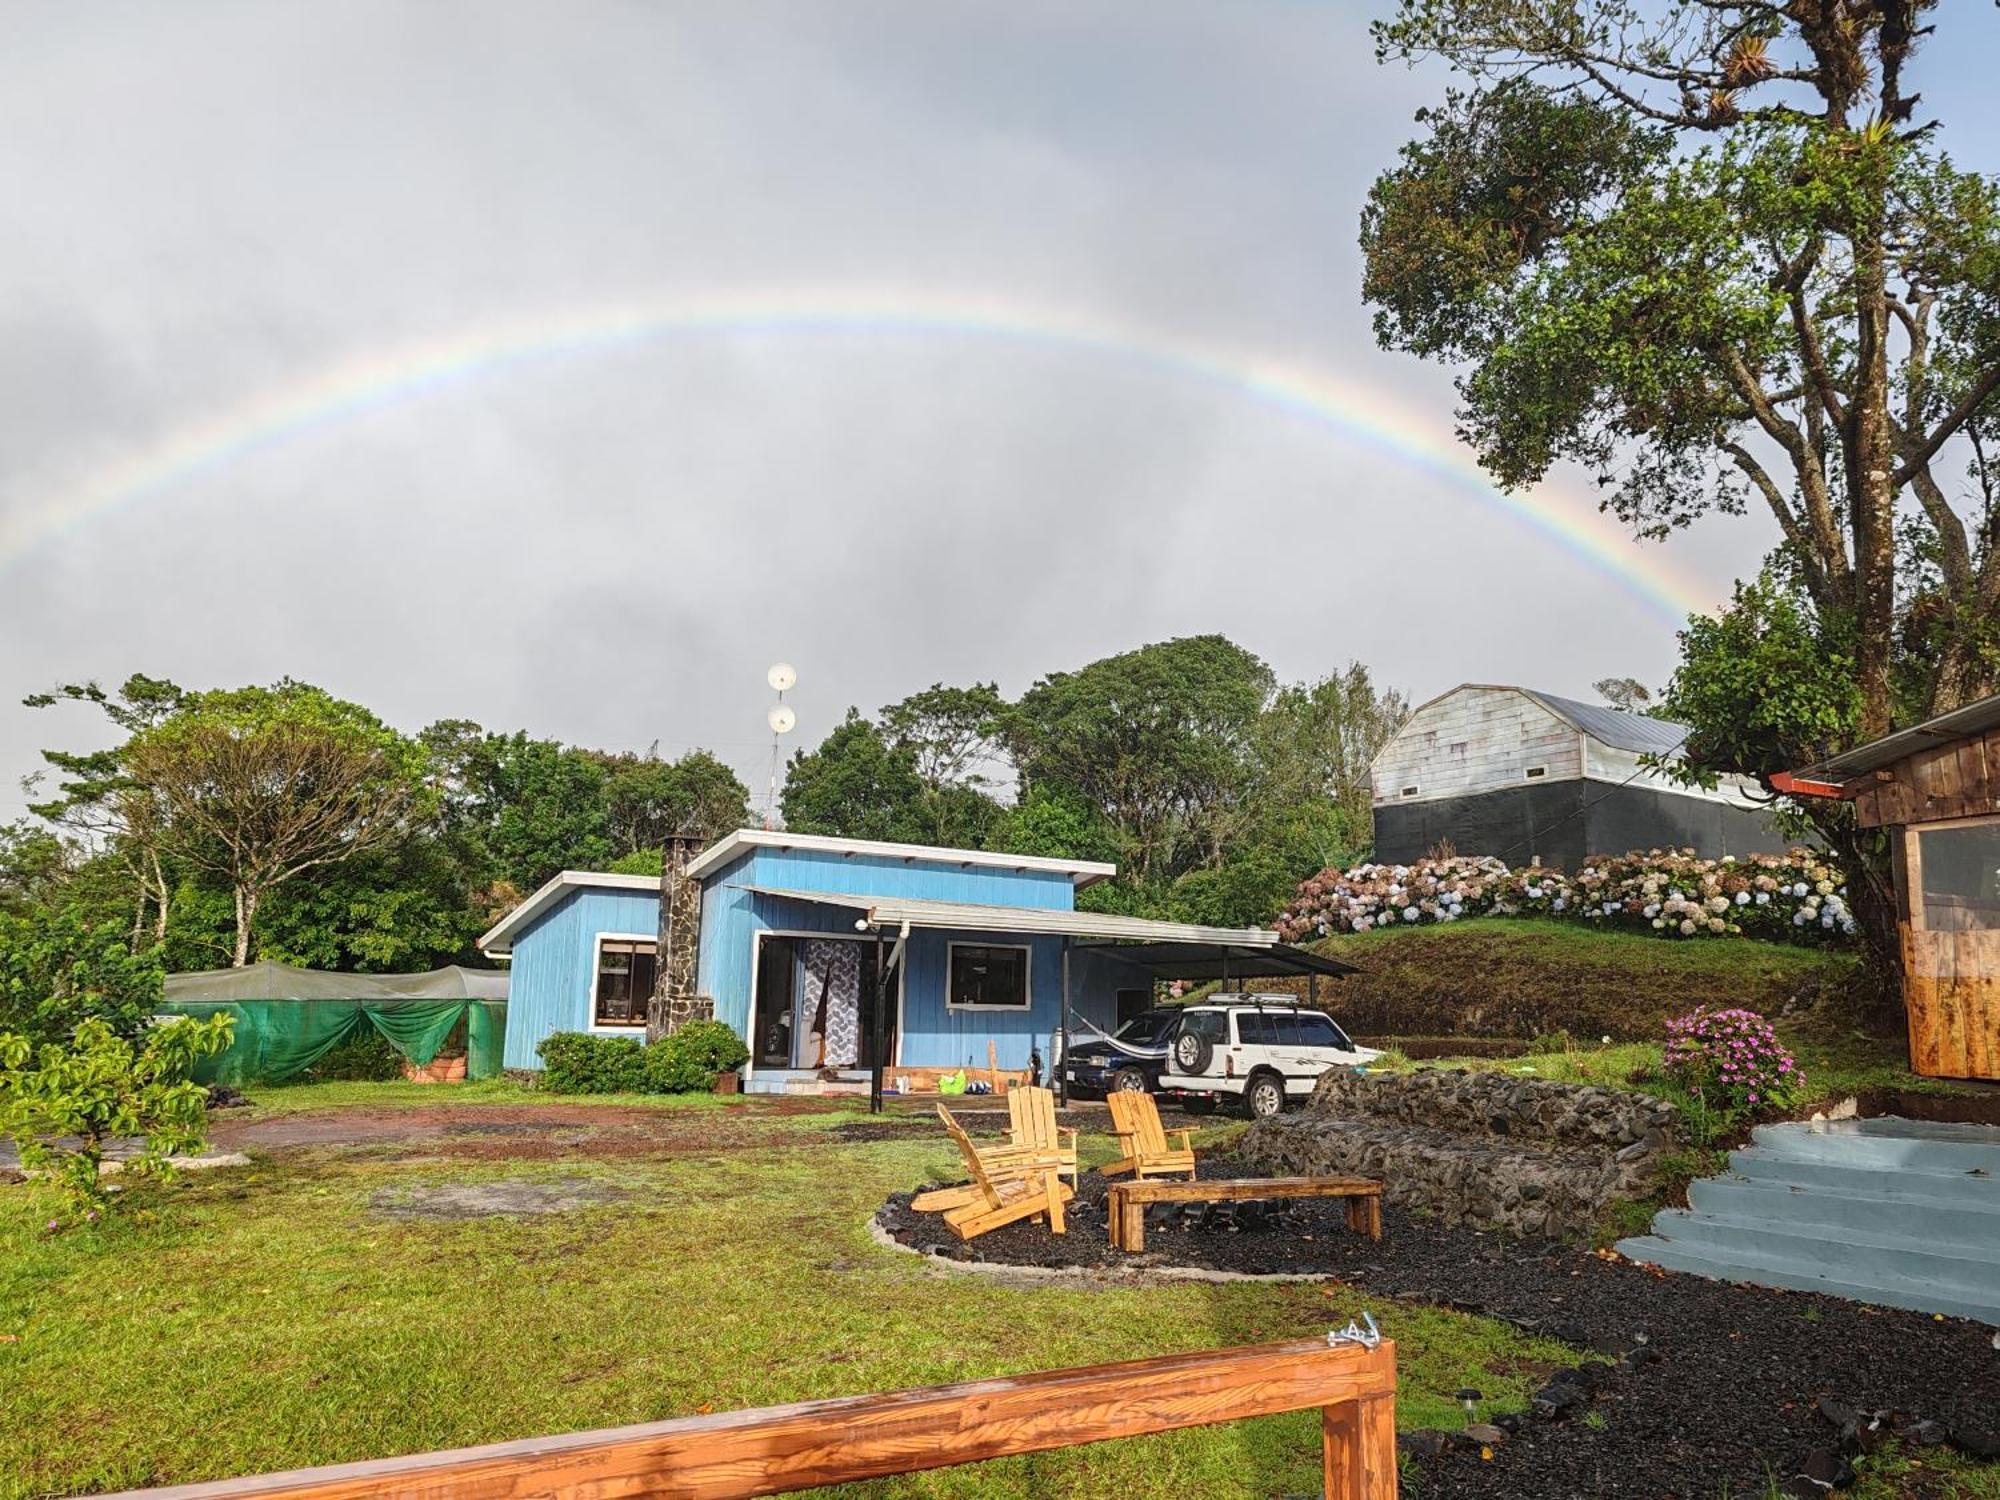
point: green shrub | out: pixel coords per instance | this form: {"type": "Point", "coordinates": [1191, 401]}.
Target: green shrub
{"type": "Point", "coordinates": [365, 1057]}
{"type": "Point", "coordinates": [577, 1062]}
{"type": "Point", "coordinates": [687, 1061]}
{"type": "Point", "coordinates": [57, 969]}
{"type": "Point", "coordinates": [63, 1102]}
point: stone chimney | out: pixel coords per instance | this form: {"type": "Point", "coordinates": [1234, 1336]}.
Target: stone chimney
{"type": "Point", "coordinates": [675, 1002]}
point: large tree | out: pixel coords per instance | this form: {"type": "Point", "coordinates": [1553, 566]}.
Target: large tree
{"type": "Point", "coordinates": [1715, 253]}
{"type": "Point", "coordinates": [256, 786]}
{"type": "Point", "coordinates": [854, 784]}
{"type": "Point", "coordinates": [952, 738]}
{"type": "Point", "coordinates": [99, 803]}
{"type": "Point", "coordinates": [647, 800]}
{"type": "Point", "coordinates": [1158, 742]}
{"type": "Point", "coordinates": [1313, 752]}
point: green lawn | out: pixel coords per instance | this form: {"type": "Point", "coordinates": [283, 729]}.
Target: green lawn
{"type": "Point", "coordinates": [263, 1318]}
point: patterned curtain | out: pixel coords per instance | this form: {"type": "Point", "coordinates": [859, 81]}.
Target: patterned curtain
{"type": "Point", "coordinates": [833, 1000]}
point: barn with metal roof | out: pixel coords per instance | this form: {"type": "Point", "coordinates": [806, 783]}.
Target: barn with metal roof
{"type": "Point", "coordinates": [1524, 775]}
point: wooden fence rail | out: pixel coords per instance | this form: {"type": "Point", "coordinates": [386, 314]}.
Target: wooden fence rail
{"type": "Point", "coordinates": [777, 1448]}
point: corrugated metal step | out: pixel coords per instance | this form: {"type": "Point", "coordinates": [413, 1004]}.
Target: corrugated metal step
{"type": "Point", "coordinates": [1896, 1212]}
{"type": "Point", "coordinates": [1762, 1165]}
{"type": "Point", "coordinates": [1673, 1256]}
{"type": "Point", "coordinates": [1845, 1254]}
{"type": "Point", "coordinates": [1906, 1145]}
{"type": "Point", "coordinates": [1938, 1222]}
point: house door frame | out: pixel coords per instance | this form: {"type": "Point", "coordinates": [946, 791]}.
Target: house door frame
{"type": "Point", "coordinates": [867, 997]}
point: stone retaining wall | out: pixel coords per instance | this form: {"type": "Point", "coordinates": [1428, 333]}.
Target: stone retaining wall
{"type": "Point", "coordinates": [1485, 1148]}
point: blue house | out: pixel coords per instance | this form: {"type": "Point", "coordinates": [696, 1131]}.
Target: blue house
{"type": "Point", "coordinates": [831, 954]}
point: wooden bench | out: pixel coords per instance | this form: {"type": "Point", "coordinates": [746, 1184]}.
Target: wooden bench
{"type": "Point", "coordinates": [1129, 1200]}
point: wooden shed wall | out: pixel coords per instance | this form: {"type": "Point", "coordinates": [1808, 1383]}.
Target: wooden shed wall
{"type": "Point", "coordinates": [1959, 780]}
{"type": "Point", "coordinates": [1951, 979]}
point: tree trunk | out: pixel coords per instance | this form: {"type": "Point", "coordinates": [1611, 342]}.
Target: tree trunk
{"type": "Point", "coordinates": [161, 895]}
{"type": "Point", "coordinates": [1870, 464]}
{"type": "Point", "coordinates": [246, 913]}
{"type": "Point", "coordinates": [1871, 892]}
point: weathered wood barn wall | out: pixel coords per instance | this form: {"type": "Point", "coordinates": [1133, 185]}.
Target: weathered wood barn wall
{"type": "Point", "coordinates": [1525, 775]}
{"type": "Point", "coordinates": [1937, 789]}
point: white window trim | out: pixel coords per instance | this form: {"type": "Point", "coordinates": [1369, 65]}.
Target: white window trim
{"type": "Point", "coordinates": [1410, 791]}
{"type": "Point", "coordinates": [1535, 773]}
{"type": "Point", "coordinates": [1027, 1005]}
{"type": "Point", "coordinates": [591, 1023]}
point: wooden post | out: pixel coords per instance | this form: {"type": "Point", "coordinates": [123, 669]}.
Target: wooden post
{"type": "Point", "coordinates": [993, 1067]}
{"type": "Point", "coordinates": [1062, 1063]}
{"type": "Point", "coordinates": [881, 1042]}
{"type": "Point", "coordinates": [1358, 1448]}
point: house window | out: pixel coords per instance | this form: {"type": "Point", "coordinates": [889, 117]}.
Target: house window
{"type": "Point", "coordinates": [1409, 791]}
{"type": "Point", "coordinates": [624, 982]}
{"type": "Point", "coordinates": [1536, 773]}
{"type": "Point", "coordinates": [1961, 877]}
{"type": "Point", "coordinates": [988, 978]}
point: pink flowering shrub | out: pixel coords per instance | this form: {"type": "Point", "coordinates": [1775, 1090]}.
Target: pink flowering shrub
{"type": "Point", "coordinates": [1794, 897]}
{"type": "Point", "coordinates": [1732, 1061]}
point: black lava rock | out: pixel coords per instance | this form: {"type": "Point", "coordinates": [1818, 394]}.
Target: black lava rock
{"type": "Point", "coordinates": [1426, 1442]}
{"type": "Point", "coordinates": [1557, 1399]}
{"type": "Point", "coordinates": [1980, 1442]}
{"type": "Point", "coordinates": [1825, 1466]}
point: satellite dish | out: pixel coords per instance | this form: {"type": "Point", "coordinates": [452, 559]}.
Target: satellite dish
{"type": "Point", "coordinates": [781, 719]}
{"type": "Point", "coordinates": [782, 677]}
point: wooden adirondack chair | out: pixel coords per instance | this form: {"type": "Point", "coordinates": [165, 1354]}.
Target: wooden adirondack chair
{"type": "Point", "coordinates": [1135, 1120]}
{"type": "Point", "coordinates": [1032, 1112]}
{"type": "Point", "coordinates": [1001, 1159]}
{"type": "Point", "coordinates": [1035, 1190]}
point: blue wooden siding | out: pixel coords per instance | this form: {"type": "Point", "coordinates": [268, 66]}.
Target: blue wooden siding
{"type": "Point", "coordinates": [552, 959]}
{"type": "Point", "coordinates": [932, 1033]}
{"type": "Point", "coordinates": [549, 988]}
{"type": "Point", "coordinates": [880, 875]}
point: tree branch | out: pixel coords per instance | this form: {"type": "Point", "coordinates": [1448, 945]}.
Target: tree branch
{"type": "Point", "coordinates": [1923, 451]}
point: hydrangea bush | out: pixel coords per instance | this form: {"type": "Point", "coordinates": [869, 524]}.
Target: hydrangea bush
{"type": "Point", "coordinates": [1796, 896]}
{"type": "Point", "coordinates": [1731, 1060]}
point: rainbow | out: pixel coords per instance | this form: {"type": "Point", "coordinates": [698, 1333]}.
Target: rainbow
{"type": "Point", "coordinates": [352, 389]}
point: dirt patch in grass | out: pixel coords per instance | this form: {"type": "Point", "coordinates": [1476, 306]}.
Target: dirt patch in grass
{"type": "Point", "coordinates": [505, 1199]}
{"type": "Point", "coordinates": [537, 1132]}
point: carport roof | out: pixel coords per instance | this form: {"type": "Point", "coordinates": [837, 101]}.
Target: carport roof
{"type": "Point", "coordinates": [1205, 961]}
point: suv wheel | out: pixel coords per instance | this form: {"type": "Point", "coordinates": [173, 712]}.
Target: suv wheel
{"type": "Point", "coordinates": [1264, 1096]}
{"type": "Point", "coordinates": [1129, 1081]}
{"type": "Point", "coordinates": [1193, 1052]}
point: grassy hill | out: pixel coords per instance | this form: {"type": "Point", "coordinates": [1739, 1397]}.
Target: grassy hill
{"type": "Point", "coordinates": [1521, 978]}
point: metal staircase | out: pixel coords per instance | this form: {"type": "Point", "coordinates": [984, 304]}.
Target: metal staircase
{"type": "Point", "coordinates": [1900, 1213]}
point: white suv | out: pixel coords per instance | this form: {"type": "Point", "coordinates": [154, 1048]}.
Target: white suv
{"type": "Point", "coordinates": [1259, 1049]}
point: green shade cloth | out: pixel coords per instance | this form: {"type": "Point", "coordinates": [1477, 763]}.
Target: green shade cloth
{"type": "Point", "coordinates": [288, 1019]}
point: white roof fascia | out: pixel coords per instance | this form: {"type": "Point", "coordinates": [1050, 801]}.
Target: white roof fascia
{"type": "Point", "coordinates": [1082, 872]}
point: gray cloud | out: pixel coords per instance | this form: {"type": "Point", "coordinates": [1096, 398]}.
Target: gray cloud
{"type": "Point", "coordinates": [213, 202]}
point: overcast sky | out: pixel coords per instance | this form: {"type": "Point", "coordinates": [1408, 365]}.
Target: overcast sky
{"type": "Point", "coordinates": [213, 210]}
